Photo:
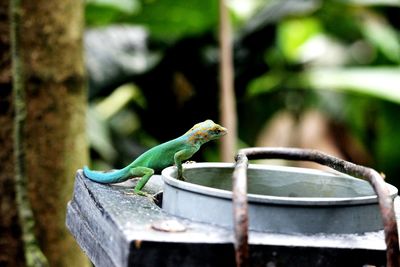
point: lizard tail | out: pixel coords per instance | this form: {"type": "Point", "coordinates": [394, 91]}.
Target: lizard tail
{"type": "Point", "coordinates": [106, 177]}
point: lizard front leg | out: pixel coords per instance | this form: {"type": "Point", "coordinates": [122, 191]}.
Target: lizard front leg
{"type": "Point", "coordinates": [180, 156]}
{"type": "Point", "coordinates": [145, 174]}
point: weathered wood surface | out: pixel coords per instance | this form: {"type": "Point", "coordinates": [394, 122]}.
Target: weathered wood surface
{"type": "Point", "coordinates": [116, 228]}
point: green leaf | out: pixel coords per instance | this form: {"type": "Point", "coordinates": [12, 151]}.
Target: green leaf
{"type": "Point", "coordinates": [126, 6]}
{"type": "Point", "coordinates": [383, 36]}
{"type": "Point", "coordinates": [264, 83]}
{"type": "Point", "coordinates": [99, 136]}
{"type": "Point", "coordinates": [103, 12]}
{"type": "Point", "coordinates": [170, 19]}
{"type": "Point", "coordinates": [165, 19]}
{"type": "Point", "coordinates": [293, 33]}
{"type": "Point", "coordinates": [381, 82]}
{"type": "Point", "coordinates": [372, 2]}
{"type": "Point", "coordinates": [97, 15]}
{"type": "Point", "coordinates": [118, 100]}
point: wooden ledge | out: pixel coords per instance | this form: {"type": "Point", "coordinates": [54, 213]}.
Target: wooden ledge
{"type": "Point", "coordinates": [119, 229]}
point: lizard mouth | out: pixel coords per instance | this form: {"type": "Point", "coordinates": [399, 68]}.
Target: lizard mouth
{"type": "Point", "coordinates": [224, 131]}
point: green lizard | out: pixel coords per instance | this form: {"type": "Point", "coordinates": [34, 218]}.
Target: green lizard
{"type": "Point", "coordinates": [161, 156]}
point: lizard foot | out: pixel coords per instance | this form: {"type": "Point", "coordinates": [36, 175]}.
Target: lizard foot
{"type": "Point", "coordinates": [182, 178]}
{"type": "Point", "coordinates": [143, 194]}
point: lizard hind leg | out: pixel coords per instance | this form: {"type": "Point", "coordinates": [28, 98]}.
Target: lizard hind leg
{"type": "Point", "coordinates": [145, 174]}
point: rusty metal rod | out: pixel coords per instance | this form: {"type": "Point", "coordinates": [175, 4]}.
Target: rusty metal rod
{"type": "Point", "coordinates": [376, 180]}
{"type": "Point", "coordinates": [240, 211]}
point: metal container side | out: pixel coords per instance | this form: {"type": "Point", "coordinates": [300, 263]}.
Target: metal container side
{"type": "Point", "coordinates": [281, 199]}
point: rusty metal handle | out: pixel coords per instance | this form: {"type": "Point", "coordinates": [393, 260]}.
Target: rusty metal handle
{"type": "Point", "coordinates": [240, 211]}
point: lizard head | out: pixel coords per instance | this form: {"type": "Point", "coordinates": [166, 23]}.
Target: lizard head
{"type": "Point", "coordinates": [206, 131]}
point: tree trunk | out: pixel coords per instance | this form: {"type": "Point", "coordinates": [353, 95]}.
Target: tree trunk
{"type": "Point", "coordinates": [55, 126]}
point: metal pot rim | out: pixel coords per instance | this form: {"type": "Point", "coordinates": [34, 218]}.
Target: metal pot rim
{"type": "Point", "coordinates": [168, 177]}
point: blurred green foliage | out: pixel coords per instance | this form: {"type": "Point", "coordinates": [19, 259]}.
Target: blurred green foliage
{"type": "Point", "coordinates": [338, 57]}
{"type": "Point", "coordinates": [167, 20]}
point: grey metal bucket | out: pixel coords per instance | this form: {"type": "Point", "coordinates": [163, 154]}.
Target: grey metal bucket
{"type": "Point", "coordinates": [280, 199]}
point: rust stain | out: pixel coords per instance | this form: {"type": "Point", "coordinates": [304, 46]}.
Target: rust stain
{"type": "Point", "coordinates": [138, 244]}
